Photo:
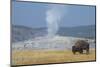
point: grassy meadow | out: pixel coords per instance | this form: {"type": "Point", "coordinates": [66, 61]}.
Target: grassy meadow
{"type": "Point", "coordinates": [25, 57]}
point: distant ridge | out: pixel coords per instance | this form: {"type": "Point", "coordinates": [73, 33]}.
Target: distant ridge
{"type": "Point", "coordinates": [21, 33]}
{"type": "Point", "coordinates": [79, 31]}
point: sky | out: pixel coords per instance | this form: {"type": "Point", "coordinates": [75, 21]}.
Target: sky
{"type": "Point", "coordinates": [34, 14]}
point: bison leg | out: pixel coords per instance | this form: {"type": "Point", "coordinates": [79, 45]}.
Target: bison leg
{"type": "Point", "coordinates": [73, 49]}
{"type": "Point", "coordinates": [74, 52]}
{"type": "Point", "coordinates": [81, 51]}
{"type": "Point", "coordinates": [87, 50]}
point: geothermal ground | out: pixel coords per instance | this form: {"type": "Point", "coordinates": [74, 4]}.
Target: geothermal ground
{"type": "Point", "coordinates": [42, 50]}
{"type": "Point", "coordinates": [45, 43]}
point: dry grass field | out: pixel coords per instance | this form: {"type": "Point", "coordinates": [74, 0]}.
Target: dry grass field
{"type": "Point", "coordinates": [41, 57]}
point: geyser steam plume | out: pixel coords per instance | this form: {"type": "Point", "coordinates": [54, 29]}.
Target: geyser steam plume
{"type": "Point", "coordinates": [54, 14]}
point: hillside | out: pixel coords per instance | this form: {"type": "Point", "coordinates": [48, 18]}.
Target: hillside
{"type": "Point", "coordinates": [80, 31]}
{"type": "Point", "coordinates": [21, 33]}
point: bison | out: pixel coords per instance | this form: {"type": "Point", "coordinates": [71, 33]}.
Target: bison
{"type": "Point", "coordinates": [79, 46]}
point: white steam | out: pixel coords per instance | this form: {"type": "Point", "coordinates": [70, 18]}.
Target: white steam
{"type": "Point", "coordinates": [53, 16]}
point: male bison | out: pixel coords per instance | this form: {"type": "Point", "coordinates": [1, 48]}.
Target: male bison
{"type": "Point", "coordinates": [79, 46]}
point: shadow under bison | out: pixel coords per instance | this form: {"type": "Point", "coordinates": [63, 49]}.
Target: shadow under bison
{"type": "Point", "coordinates": [79, 46]}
